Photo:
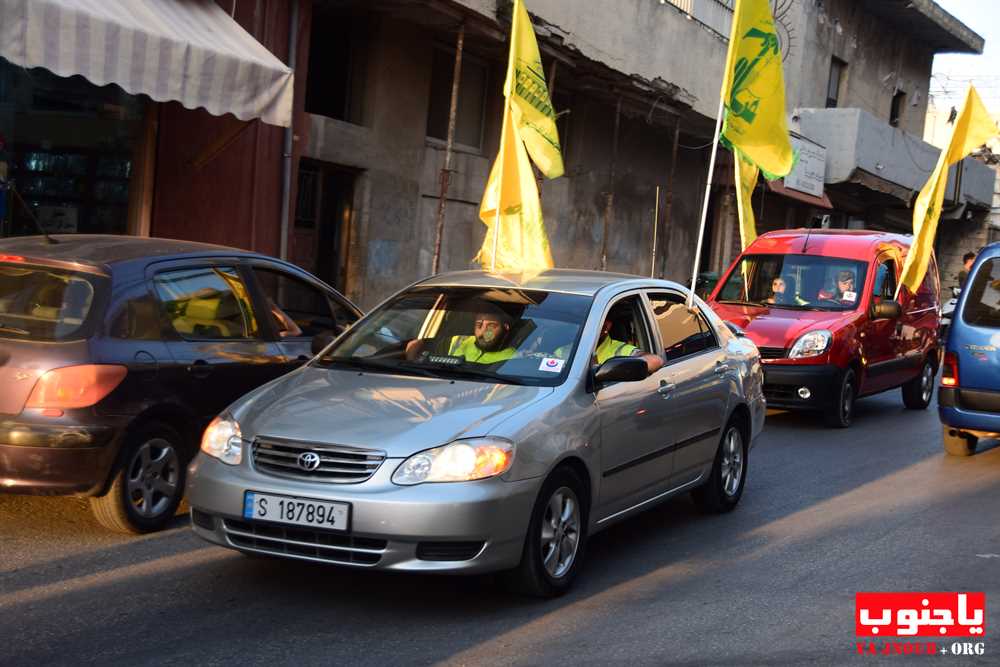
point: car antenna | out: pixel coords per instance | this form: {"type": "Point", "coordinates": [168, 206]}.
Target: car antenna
{"type": "Point", "coordinates": [31, 214]}
{"type": "Point", "coordinates": [805, 244]}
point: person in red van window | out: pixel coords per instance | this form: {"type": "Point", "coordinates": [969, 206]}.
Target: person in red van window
{"type": "Point", "coordinates": [844, 291]}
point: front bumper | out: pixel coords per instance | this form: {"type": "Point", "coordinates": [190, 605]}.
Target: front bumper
{"type": "Point", "coordinates": [56, 456]}
{"type": "Point", "coordinates": [406, 528]}
{"type": "Point", "coordinates": [783, 381]}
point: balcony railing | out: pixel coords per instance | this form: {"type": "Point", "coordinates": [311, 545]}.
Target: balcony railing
{"type": "Point", "coordinates": [716, 15]}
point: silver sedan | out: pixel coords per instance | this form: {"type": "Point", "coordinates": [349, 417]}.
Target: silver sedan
{"type": "Point", "coordinates": [472, 423]}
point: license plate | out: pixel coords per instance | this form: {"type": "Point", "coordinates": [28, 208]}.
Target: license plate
{"type": "Point", "coordinates": [296, 511]}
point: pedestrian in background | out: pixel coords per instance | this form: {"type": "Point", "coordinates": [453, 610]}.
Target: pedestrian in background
{"type": "Point", "coordinates": [968, 259]}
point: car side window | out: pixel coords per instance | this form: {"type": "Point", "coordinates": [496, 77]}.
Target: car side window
{"type": "Point", "coordinates": [682, 331]}
{"type": "Point", "coordinates": [884, 288]}
{"type": "Point", "coordinates": [136, 315]}
{"type": "Point", "coordinates": [298, 308]}
{"type": "Point", "coordinates": [207, 303]}
{"type": "Point", "coordinates": [627, 332]}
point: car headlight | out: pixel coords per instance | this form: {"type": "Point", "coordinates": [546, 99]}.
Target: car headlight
{"type": "Point", "coordinates": [811, 344]}
{"type": "Point", "coordinates": [459, 461]}
{"type": "Point", "coordinates": [223, 440]}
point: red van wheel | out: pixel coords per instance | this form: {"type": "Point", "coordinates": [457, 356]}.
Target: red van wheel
{"type": "Point", "coordinates": [918, 391]}
{"type": "Point", "coordinates": [841, 413]}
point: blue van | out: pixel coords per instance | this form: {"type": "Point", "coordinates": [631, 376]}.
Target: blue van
{"type": "Point", "coordinates": [969, 397]}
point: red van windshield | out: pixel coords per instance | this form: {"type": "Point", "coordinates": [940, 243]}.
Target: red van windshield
{"type": "Point", "coordinates": [41, 303]}
{"type": "Point", "coordinates": [798, 282]}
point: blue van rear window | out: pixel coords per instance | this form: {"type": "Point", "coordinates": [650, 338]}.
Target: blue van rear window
{"type": "Point", "coordinates": [982, 307]}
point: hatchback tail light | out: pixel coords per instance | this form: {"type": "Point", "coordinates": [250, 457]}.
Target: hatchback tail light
{"type": "Point", "coordinates": [75, 386]}
{"type": "Point", "coordinates": [949, 370]}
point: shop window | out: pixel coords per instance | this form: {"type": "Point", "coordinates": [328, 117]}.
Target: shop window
{"type": "Point", "coordinates": [898, 104]}
{"type": "Point", "coordinates": [338, 65]}
{"type": "Point", "coordinates": [837, 67]}
{"type": "Point", "coordinates": [71, 165]}
{"type": "Point", "coordinates": [470, 115]}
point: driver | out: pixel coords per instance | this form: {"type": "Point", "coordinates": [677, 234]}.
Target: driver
{"type": "Point", "coordinates": [844, 291]}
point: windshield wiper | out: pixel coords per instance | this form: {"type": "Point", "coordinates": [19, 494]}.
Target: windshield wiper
{"type": "Point", "coordinates": [465, 371]}
{"type": "Point", "coordinates": [363, 364]}
{"type": "Point", "coordinates": [737, 302]}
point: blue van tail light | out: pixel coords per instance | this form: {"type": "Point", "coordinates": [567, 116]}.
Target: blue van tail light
{"type": "Point", "coordinates": [949, 371]}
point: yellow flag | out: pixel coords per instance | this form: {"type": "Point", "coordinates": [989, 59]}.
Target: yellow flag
{"type": "Point", "coordinates": [746, 181]}
{"type": "Point", "coordinates": [525, 88]}
{"type": "Point", "coordinates": [973, 128]}
{"type": "Point", "coordinates": [511, 210]}
{"type": "Point", "coordinates": [753, 91]}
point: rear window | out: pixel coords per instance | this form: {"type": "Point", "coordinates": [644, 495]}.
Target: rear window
{"type": "Point", "coordinates": [40, 303]}
{"type": "Point", "coordinates": [982, 306]}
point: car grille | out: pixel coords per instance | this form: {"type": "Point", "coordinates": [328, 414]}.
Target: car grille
{"type": "Point", "coordinates": [337, 464]}
{"type": "Point", "coordinates": [772, 352]}
{"type": "Point", "coordinates": [448, 550]}
{"type": "Point", "coordinates": [304, 543]}
{"type": "Point", "coordinates": [779, 392]}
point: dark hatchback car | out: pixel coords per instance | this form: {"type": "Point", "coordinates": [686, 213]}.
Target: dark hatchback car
{"type": "Point", "coordinates": [115, 352]}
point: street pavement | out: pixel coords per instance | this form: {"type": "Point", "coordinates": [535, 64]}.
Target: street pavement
{"type": "Point", "coordinates": [826, 513]}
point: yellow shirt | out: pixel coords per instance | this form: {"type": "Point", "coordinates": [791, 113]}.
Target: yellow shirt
{"type": "Point", "coordinates": [614, 348]}
{"type": "Point", "coordinates": [465, 347]}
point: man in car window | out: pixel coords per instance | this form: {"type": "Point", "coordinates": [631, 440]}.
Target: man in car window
{"type": "Point", "coordinates": [844, 291]}
{"type": "Point", "coordinates": [488, 344]}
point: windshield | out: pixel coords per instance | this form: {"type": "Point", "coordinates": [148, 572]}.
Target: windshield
{"type": "Point", "coordinates": [796, 282]}
{"type": "Point", "coordinates": [482, 334]}
{"type": "Point", "coordinates": [44, 304]}
{"type": "Point", "coordinates": [982, 306]}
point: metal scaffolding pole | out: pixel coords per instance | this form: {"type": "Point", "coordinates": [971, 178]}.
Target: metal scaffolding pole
{"type": "Point", "coordinates": [609, 206]}
{"type": "Point", "coordinates": [446, 170]}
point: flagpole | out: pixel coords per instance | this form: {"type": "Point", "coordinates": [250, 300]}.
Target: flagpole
{"type": "Point", "coordinates": [704, 206]}
{"type": "Point", "coordinates": [499, 195]}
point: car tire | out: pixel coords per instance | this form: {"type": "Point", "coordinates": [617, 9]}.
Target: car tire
{"type": "Point", "coordinates": [558, 522]}
{"type": "Point", "coordinates": [959, 444]}
{"type": "Point", "coordinates": [841, 413]}
{"type": "Point", "coordinates": [148, 485]}
{"type": "Point", "coordinates": [917, 393]}
{"type": "Point", "coordinates": [724, 488]}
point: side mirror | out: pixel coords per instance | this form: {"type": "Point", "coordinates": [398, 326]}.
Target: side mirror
{"type": "Point", "coordinates": [739, 333]}
{"type": "Point", "coordinates": [887, 309]}
{"type": "Point", "coordinates": [621, 369]}
{"type": "Point", "coordinates": [321, 340]}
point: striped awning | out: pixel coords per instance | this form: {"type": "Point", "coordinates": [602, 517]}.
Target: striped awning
{"type": "Point", "coordinates": [189, 51]}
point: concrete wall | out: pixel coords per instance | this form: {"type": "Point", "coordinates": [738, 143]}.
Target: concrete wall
{"type": "Point", "coordinates": [880, 58]}
{"type": "Point", "coordinates": [396, 189]}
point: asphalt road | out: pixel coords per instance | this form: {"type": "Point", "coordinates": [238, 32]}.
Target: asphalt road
{"type": "Point", "coordinates": [825, 514]}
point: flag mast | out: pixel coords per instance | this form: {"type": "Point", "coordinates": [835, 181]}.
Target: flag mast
{"type": "Point", "coordinates": [704, 205]}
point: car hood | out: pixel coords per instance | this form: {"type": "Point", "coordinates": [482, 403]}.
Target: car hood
{"type": "Point", "coordinates": [777, 327]}
{"type": "Point", "coordinates": [398, 414]}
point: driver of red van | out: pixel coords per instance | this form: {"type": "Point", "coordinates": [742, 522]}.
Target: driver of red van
{"type": "Point", "coordinates": [844, 292]}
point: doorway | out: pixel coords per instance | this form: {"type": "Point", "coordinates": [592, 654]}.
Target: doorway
{"type": "Point", "coordinates": [323, 220]}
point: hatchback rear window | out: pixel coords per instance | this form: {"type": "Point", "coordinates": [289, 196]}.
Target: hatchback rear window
{"type": "Point", "coordinates": [41, 303]}
{"type": "Point", "coordinates": [982, 306]}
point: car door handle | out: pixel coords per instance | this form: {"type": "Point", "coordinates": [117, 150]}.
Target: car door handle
{"type": "Point", "coordinates": [666, 388]}
{"type": "Point", "coordinates": [200, 368]}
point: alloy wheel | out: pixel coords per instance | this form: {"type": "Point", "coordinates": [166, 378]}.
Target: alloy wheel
{"type": "Point", "coordinates": [153, 477]}
{"type": "Point", "coordinates": [732, 461]}
{"type": "Point", "coordinates": [926, 383]}
{"type": "Point", "coordinates": [560, 532]}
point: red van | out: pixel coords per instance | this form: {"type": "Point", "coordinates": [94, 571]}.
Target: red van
{"type": "Point", "coordinates": [820, 306]}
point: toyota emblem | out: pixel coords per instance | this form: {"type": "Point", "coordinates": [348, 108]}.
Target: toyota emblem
{"type": "Point", "coordinates": [309, 461]}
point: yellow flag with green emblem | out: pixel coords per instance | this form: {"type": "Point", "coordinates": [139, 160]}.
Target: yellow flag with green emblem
{"type": "Point", "coordinates": [973, 128]}
{"type": "Point", "coordinates": [746, 181]}
{"type": "Point", "coordinates": [753, 91]}
{"type": "Point", "coordinates": [528, 94]}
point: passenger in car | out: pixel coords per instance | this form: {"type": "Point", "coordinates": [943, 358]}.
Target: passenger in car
{"type": "Point", "coordinates": [844, 291]}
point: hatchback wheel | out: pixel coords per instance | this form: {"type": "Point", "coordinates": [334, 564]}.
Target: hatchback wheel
{"type": "Point", "coordinates": [148, 486]}
{"type": "Point", "coordinates": [841, 413]}
{"type": "Point", "coordinates": [725, 485]}
{"type": "Point", "coordinates": [958, 444]}
{"type": "Point", "coordinates": [918, 391]}
{"type": "Point", "coordinates": [557, 533]}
